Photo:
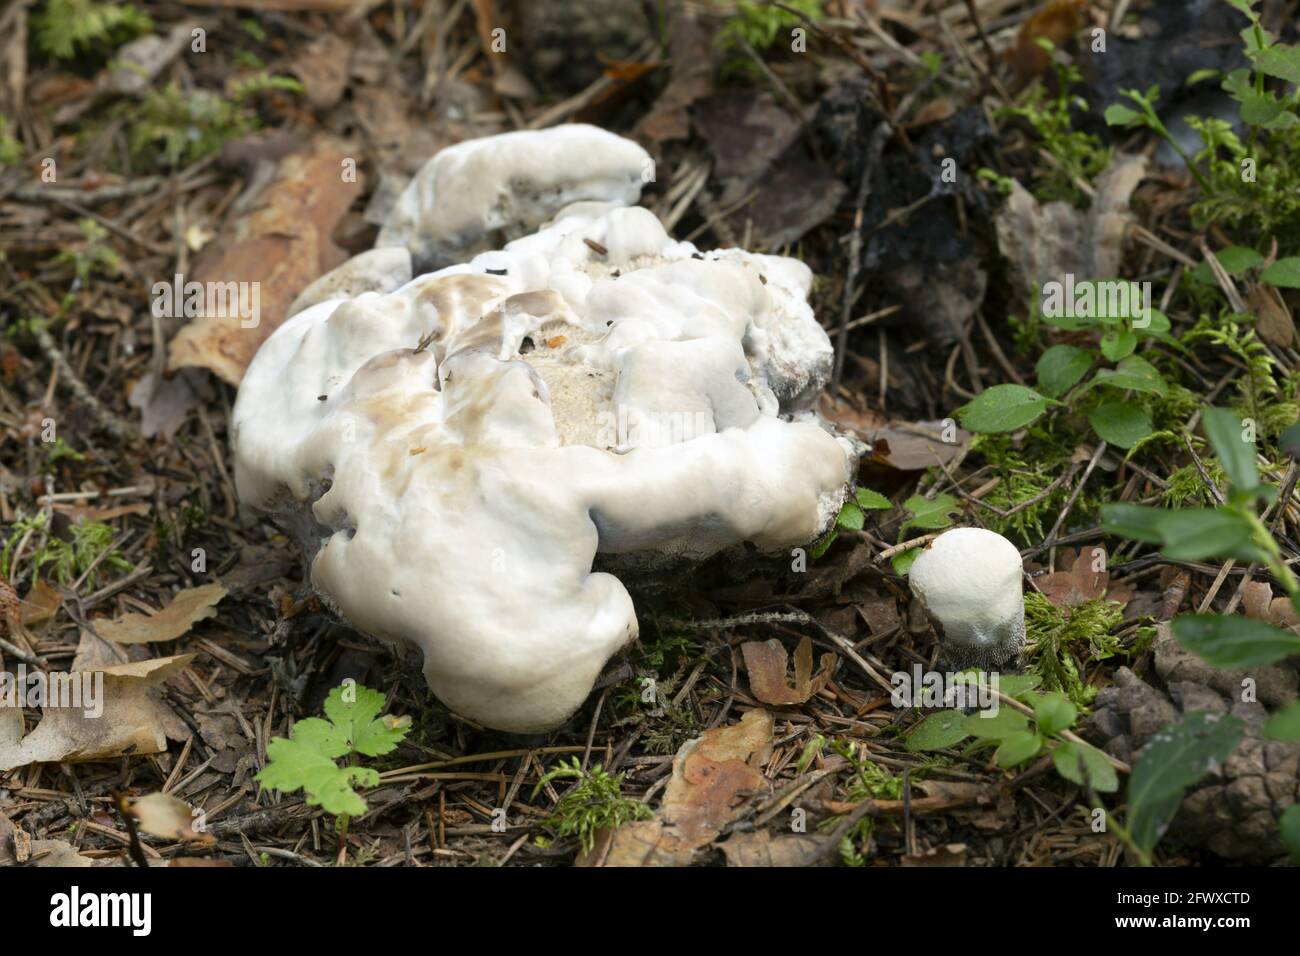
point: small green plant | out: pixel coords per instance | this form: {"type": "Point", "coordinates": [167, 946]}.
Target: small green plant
{"type": "Point", "coordinates": [1058, 638]}
{"type": "Point", "coordinates": [66, 560]}
{"type": "Point", "coordinates": [1110, 385]}
{"type": "Point", "coordinates": [64, 28]}
{"type": "Point", "coordinates": [594, 803]}
{"type": "Point", "coordinates": [1232, 530]}
{"type": "Point", "coordinates": [1253, 184]}
{"type": "Point", "coordinates": [308, 759]}
{"type": "Point", "coordinates": [11, 151]}
{"type": "Point", "coordinates": [172, 128]}
{"type": "Point", "coordinates": [851, 517]}
{"type": "Point", "coordinates": [758, 22]}
{"type": "Point", "coordinates": [868, 781]}
{"type": "Point", "coordinates": [1079, 155]}
{"type": "Point", "coordinates": [1017, 742]}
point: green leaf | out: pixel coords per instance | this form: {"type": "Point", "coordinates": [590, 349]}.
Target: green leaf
{"type": "Point", "coordinates": [307, 759]}
{"type": "Point", "coordinates": [1177, 757]}
{"type": "Point", "coordinates": [1060, 368]}
{"type": "Point", "coordinates": [1054, 712]}
{"type": "Point", "coordinates": [1289, 827]}
{"type": "Point", "coordinates": [1285, 724]}
{"type": "Point", "coordinates": [1002, 408]}
{"type": "Point", "coordinates": [1018, 748]}
{"type": "Point", "coordinates": [1117, 114]}
{"type": "Point", "coordinates": [1280, 61]}
{"type": "Point", "coordinates": [1285, 273]}
{"type": "Point", "coordinates": [1235, 261]}
{"type": "Point", "coordinates": [293, 764]}
{"type": "Point", "coordinates": [1139, 522]}
{"type": "Point", "coordinates": [1134, 373]}
{"type": "Point", "coordinates": [930, 515]}
{"type": "Point", "coordinates": [939, 731]}
{"type": "Point", "coordinates": [1122, 424]}
{"type": "Point", "coordinates": [1237, 456]}
{"type": "Point", "coordinates": [903, 561]}
{"type": "Point", "coordinates": [1234, 642]}
{"type": "Point", "coordinates": [1117, 344]}
{"type": "Point", "coordinates": [1017, 685]}
{"type": "Point", "coordinates": [871, 501]}
{"type": "Point", "coordinates": [1192, 534]}
{"type": "Point", "coordinates": [851, 517]}
{"type": "Point", "coordinates": [1086, 766]}
{"type": "Point", "coordinates": [1002, 724]}
{"type": "Point", "coordinates": [354, 710]}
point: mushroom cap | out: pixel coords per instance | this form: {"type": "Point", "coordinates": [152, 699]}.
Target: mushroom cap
{"type": "Point", "coordinates": [970, 580]}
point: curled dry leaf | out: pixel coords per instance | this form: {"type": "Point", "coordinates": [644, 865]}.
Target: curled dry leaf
{"type": "Point", "coordinates": [277, 248]}
{"type": "Point", "coordinates": [167, 817]}
{"type": "Point", "coordinates": [115, 714]}
{"type": "Point", "coordinates": [766, 663]}
{"type": "Point", "coordinates": [1257, 601]}
{"type": "Point", "coordinates": [186, 609]}
{"type": "Point", "coordinates": [714, 777]}
{"type": "Point", "coordinates": [761, 848]}
{"type": "Point", "coordinates": [1082, 577]}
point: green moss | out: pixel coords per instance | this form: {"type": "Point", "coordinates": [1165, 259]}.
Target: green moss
{"type": "Point", "coordinates": [595, 803]}
{"type": "Point", "coordinates": [1057, 639]}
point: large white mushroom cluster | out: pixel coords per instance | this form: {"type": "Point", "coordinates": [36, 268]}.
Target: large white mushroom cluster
{"type": "Point", "coordinates": [456, 448]}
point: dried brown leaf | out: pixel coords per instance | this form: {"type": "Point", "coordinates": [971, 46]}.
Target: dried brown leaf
{"type": "Point", "coordinates": [186, 609]}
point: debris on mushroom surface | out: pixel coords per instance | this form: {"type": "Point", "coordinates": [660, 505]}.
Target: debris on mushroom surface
{"type": "Point", "coordinates": [970, 582]}
{"type": "Point", "coordinates": [455, 452]}
{"type": "Point", "coordinates": [510, 183]}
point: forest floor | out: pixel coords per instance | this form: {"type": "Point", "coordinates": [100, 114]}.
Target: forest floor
{"type": "Point", "coordinates": [933, 164]}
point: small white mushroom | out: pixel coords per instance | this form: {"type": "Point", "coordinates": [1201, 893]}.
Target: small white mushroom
{"type": "Point", "coordinates": [969, 580]}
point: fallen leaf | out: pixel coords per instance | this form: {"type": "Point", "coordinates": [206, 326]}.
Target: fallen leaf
{"type": "Point", "coordinates": [186, 609]}
{"type": "Point", "coordinates": [167, 817]}
{"type": "Point", "coordinates": [1273, 320]}
{"type": "Point", "coordinates": [322, 66]}
{"type": "Point", "coordinates": [952, 854]}
{"type": "Point", "coordinates": [766, 661]}
{"type": "Point", "coordinates": [115, 714]}
{"type": "Point", "coordinates": [1078, 579]}
{"type": "Point", "coordinates": [57, 854]}
{"type": "Point", "coordinates": [41, 603]}
{"type": "Point", "coordinates": [281, 245]}
{"type": "Point", "coordinates": [714, 776]}
{"type": "Point", "coordinates": [760, 848]}
{"type": "Point", "coordinates": [1257, 601]}
{"type": "Point", "coordinates": [1043, 243]}
{"type": "Point", "coordinates": [164, 405]}
{"type": "Point", "coordinates": [691, 50]}
{"type": "Point", "coordinates": [1057, 21]}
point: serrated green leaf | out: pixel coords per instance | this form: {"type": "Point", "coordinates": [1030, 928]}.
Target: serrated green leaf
{"type": "Point", "coordinates": [1085, 765]}
{"type": "Point", "coordinates": [871, 500]}
{"type": "Point", "coordinates": [1002, 408]}
{"type": "Point", "coordinates": [930, 515]}
{"type": "Point", "coordinates": [1285, 724]}
{"type": "Point", "coordinates": [1237, 456]}
{"type": "Point", "coordinates": [1175, 758]}
{"type": "Point", "coordinates": [1121, 424]}
{"type": "Point", "coordinates": [939, 731]}
{"type": "Point", "coordinates": [1018, 748]}
{"type": "Point", "coordinates": [1285, 273]}
{"type": "Point", "coordinates": [355, 710]}
{"type": "Point", "coordinates": [851, 517]}
{"type": "Point", "coordinates": [1060, 368]}
{"type": "Point", "coordinates": [294, 764]}
{"type": "Point", "coordinates": [1134, 374]}
{"type": "Point", "coordinates": [999, 726]}
{"type": "Point", "coordinates": [1139, 522]}
{"type": "Point", "coordinates": [1234, 642]}
{"type": "Point", "coordinates": [1054, 712]}
{"type": "Point", "coordinates": [1280, 61]}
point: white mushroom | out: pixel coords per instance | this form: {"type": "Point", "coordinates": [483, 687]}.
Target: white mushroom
{"type": "Point", "coordinates": [513, 183]}
{"type": "Point", "coordinates": [970, 582]}
{"type": "Point", "coordinates": [593, 387]}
